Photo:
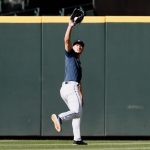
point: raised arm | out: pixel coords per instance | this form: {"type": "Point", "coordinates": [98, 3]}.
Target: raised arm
{"type": "Point", "coordinates": [67, 37]}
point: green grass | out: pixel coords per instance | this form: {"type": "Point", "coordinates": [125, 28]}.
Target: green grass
{"type": "Point", "coordinates": [67, 145]}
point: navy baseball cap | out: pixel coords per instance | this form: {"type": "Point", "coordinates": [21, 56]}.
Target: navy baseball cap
{"type": "Point", "coordinates": [79, 42]}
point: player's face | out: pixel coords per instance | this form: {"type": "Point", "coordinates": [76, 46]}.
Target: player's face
{"type": "Point", "coordinates": [78, 48]}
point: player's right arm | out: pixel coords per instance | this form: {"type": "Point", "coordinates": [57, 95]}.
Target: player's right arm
{"type": "Point", "coordinates": [67, 37]}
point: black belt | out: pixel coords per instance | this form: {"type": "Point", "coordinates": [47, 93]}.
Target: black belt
{"type": "Point", "coordinates": [67, 82]}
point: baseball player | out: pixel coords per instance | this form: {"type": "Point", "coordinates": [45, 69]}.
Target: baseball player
{"type": "Point", "coordinates": [71, 89]}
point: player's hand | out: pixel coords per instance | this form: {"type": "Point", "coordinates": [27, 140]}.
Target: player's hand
{"type": "Point", "coordinates": [71, 23]}
{"type": "Point", "coordinates": [77, 16]}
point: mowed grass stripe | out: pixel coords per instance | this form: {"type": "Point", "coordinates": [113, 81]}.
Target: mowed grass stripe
{"type": "Point", "coordinates": [67, 145]}
{"type": "Point", "coordinates": [80, 148]}
{"type": "Point", "coordinates": [68, 142]}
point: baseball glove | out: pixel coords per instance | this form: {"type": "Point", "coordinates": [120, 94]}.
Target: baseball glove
{"type": "Point", "coordinates": [77, 16]}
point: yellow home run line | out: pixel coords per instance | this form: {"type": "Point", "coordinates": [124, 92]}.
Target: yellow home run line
{"type": "Point", "coordinates": [43, 19]}
{"type": "Point", "coordinates": [20, 19]}
{"type": "Point", "coordinates": [126, 19]}
{"type": "Point", "coordinates": [62, 19]}
{"type": "Point", "coordinates": [65, 19]}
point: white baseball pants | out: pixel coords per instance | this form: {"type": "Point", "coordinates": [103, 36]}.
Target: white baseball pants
{"type": "Point", "coordinates": [71, 95]}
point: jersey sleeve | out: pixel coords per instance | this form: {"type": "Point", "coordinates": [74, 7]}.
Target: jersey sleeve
{"type": "Point", "coordinates": [69, 54]}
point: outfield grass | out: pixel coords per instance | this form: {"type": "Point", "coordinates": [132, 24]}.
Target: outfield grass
{"type": "Point", "coordinates": [67, 145]}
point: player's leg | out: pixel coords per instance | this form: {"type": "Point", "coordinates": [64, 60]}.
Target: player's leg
{"type": "Point", "coordinates": [57, 122]}
{"type": "Point", "coordinates": [71, 97]}
{"type": "Point", "coordinates": [73, 103]}
{"type": "Point", "coordinates": [55, 118]}
{"type": "Point", "coordinates": [76, 121]}
{"type": "Point", "coordinates": [68, 95]}
{"type": "Point", "coordinates": [76, 129]}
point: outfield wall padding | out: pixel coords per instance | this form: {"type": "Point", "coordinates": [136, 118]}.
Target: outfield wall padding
{"type": "Point", "coordinates": [116, 75]}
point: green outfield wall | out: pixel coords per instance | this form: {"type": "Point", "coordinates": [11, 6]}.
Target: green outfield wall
{"type": "Point", "coordinates": [116, 75]}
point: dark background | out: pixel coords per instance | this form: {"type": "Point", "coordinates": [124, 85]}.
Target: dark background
{"type": "Point", "coordinates": [64, 7]}
{"type": "Point", "coordinates": [121, 7]}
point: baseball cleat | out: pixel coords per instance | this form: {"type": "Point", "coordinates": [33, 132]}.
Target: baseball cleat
{"type": "Point", "coordinates": [56, 121]}
{"type": "Point", "coordinates": [79, 143]}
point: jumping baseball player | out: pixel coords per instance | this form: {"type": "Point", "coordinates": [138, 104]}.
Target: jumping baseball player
{"type": "Point", "coordinates": [71, 89]}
